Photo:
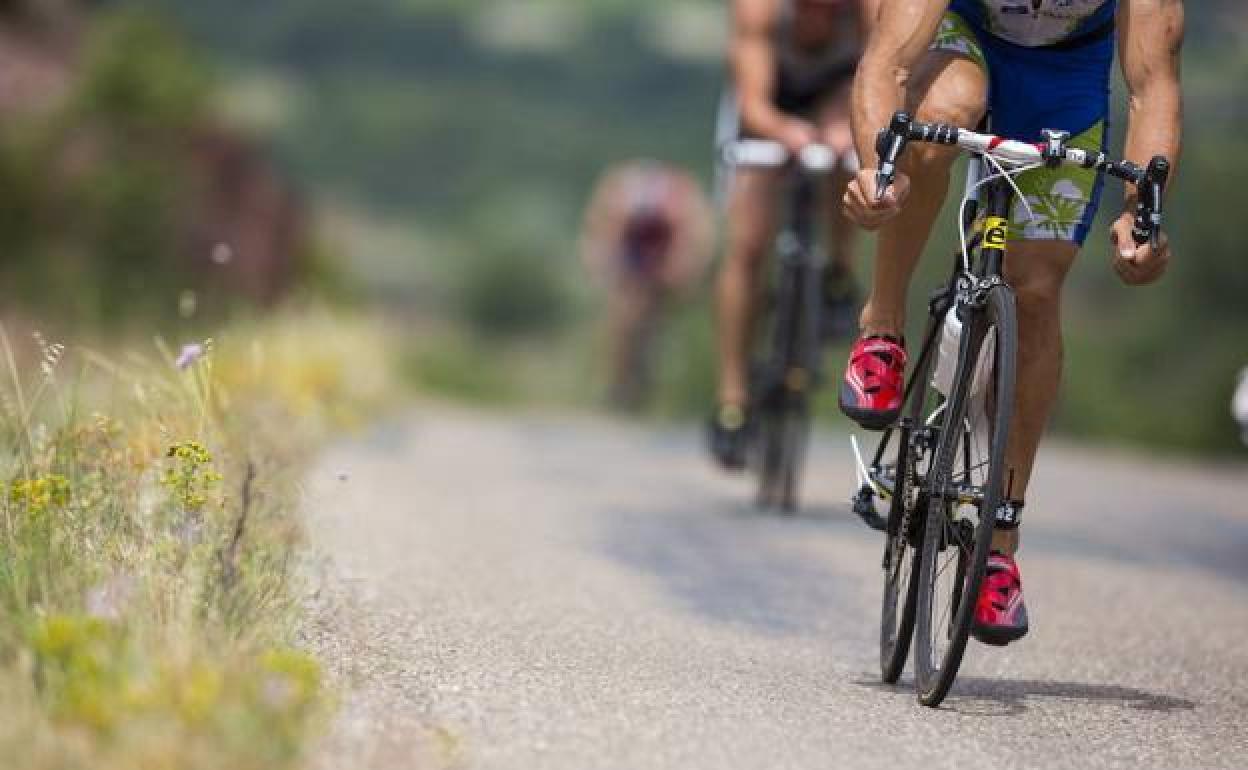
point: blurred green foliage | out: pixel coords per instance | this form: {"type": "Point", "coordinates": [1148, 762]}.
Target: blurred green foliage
{"type": "Point", "coordinates": [92, 190]}
{"type": "Point", "coordinates": [511, 292]}
{"type": "Point", "coordinates": [434, 111]}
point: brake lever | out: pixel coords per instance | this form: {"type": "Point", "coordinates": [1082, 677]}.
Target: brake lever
{"type": "Point", "coordinates": [889, 145]}
{"type": "Point", "coordinates": [1148, 209]}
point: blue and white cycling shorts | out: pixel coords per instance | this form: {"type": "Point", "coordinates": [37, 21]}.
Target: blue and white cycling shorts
{"type": "Point", "coordinates": [1063, 87]}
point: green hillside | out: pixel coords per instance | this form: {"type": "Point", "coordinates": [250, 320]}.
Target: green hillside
{"type": "Point", "coordinates": [480, 124]}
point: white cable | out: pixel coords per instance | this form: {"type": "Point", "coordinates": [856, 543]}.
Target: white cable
{"type": "Point", "coordinates": [860, 467]}
{"type": "Point", "coordinates": [1009, 177]}
{"type": "Point", "coordinates": [1001, 172]}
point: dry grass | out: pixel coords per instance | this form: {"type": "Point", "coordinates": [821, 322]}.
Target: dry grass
{"type": "Point", "coordinates": [148, 543]}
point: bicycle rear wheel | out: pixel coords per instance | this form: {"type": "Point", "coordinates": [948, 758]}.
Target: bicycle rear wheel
{"type": "Point", "coordinates": [964, 489]}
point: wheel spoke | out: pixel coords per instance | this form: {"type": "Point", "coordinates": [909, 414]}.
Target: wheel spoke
{"type": "Point", "coordinates": [943, 620]}
{"type": "Point", "coordinates": [975, 467]}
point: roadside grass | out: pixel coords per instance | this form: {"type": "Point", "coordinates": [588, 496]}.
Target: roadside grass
{"type": "Point", "coordinates": [148, 542]}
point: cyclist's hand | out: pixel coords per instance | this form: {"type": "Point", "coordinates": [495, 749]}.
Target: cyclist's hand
{"type": "Point", "coordinates": [796, 134]}
{"type": "Point", "coordinates": [860, 201]}
{"type": "Point", "coordinates": [1137, 265]}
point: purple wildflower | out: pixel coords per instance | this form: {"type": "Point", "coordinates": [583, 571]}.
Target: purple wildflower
{"type": "Point", "coordinates": [189, 355]}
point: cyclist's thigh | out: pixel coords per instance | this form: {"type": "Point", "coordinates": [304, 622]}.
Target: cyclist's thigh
{"type": "Point", "coordinates": [752, 204]}
{"type": "Point", "coordinates": [951, 83]}
{"type": "Point", "coordinates": [948, 87]}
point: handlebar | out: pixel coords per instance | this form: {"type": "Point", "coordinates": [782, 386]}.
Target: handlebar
{"type": "Point", "coordinates": [1150, 181]}
{"type": "Point", "coordinates": [764, 153]}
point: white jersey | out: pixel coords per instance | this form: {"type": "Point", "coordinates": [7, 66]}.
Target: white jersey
{"type": "Point", "coordinates": [1037, 23]}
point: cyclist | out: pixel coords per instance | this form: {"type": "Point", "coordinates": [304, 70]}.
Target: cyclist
{"type": "Point", "coordinates": [1239, 404]}
{"type": "Point", "coordinates": [792, 64]}
{"type": "Point", "coordinates": [647, 234]}
{"type": "Point", "coordinates": [1030, 64]}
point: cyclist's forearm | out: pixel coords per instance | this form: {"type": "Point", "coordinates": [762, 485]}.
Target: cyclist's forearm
{"type": "Point", "coordinates": [1154, 128]}
{"type": "Point", "coordinates": [1151, 39]}
{"type": "Point", "coordinates": [902, 34]}
{"type": "Point", "coordinates": [877, 95]}
{"type": "Point", "coordinates": [763, 120]}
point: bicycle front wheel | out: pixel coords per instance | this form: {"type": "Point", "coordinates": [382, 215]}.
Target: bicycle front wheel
{"type": "Point", "coordinates": [964, 489]}
{"type": "Point", "coordinates": [782, 449]}
{"type": "Point", "coordinates": [907, 508]}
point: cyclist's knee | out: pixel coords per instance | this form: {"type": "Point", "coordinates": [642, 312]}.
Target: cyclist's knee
{"type": "Point", "coordinates": [747, 248]}
{"type": "Point", "coordinates": [1037, 272]}
{"type": "Point", "coordinates": [1038, 295]}
{"type": "Point", "coordinates": [950, 89]}
{"type": "Point", "coordinates": [954, 92]}
{"type": "Point", "coordinates": [749, 239]}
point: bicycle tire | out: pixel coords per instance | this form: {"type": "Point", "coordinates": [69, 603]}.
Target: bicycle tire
{"type": "Point", "coordinates": [784, 419]}
{"type": "Point", "coordinates": [941, 532]}
{"type": "Point", "coordinates": [769, 458]}
{"type": "Point", "coordinates": [905, 519]}
{"type": "Point", "coordinates": [783, 450]}
{"type": "Point", "coordinates": [897, 622]}
{"type": "Point", "coordinates": [796, 440]}
{"type": "Point", "coordinates": [783, 435]}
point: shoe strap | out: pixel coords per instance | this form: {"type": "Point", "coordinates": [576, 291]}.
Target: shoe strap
{"type": "Point", "coordinates": [878, 361]}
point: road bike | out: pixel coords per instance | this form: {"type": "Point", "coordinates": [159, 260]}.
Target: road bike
{"type": "Point", "coordinates": [935, 483]}
{"type": "Point", "coordinates": [787, 368]}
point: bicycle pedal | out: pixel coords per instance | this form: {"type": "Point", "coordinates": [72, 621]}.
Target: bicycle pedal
{"type": "Point", "coordinates": [863, 505]}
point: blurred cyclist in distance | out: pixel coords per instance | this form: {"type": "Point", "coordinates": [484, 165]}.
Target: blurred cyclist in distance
{"type": "Point", "coordinates": [792, 63]}
{"type": "Point", "coordinates": [647, 235]}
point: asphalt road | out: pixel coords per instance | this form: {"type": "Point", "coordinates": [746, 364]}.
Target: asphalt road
{"type": "Point", "coordinates": [553, 592]}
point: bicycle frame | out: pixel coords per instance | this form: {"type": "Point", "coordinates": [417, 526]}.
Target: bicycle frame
{"type": "Point", "coordinates": [800, 272]}
{"type": "Point", "coordinates": [964, 288]}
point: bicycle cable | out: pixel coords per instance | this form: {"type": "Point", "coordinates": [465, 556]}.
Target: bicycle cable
{"type": "Point", "coordinates": [1001, 173]}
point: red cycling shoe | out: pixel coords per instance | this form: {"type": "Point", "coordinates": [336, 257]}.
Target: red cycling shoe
{"type": "Point", "coordinates": [875, 381]}
{"type": "Point", "coordinates": [1000, 614]}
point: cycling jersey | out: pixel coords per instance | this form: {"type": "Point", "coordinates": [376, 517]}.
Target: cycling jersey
{"type": "Point", "coordinates": [1038, 23]}
{"type": "Point", "coordinates": [646, 240]}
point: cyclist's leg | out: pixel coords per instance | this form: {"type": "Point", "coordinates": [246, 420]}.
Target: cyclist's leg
{"type": "Point", "coordinates": [1045, 239]}
{"type": "Point", "coordinates": [948, 87]}
{"type": "Point", "coordinates": [751, 227]}
{"type": "Point", "coordinates": [630, 309]}
{"type": "Point", "coordinates": [1036, 270]}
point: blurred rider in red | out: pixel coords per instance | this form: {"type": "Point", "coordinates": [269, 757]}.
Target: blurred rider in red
{"type": "Point", "coordinates": [647, 236]}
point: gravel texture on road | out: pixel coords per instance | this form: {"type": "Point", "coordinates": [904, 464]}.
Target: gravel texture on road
{"type": "Point", "coordinates": [572, 593]}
